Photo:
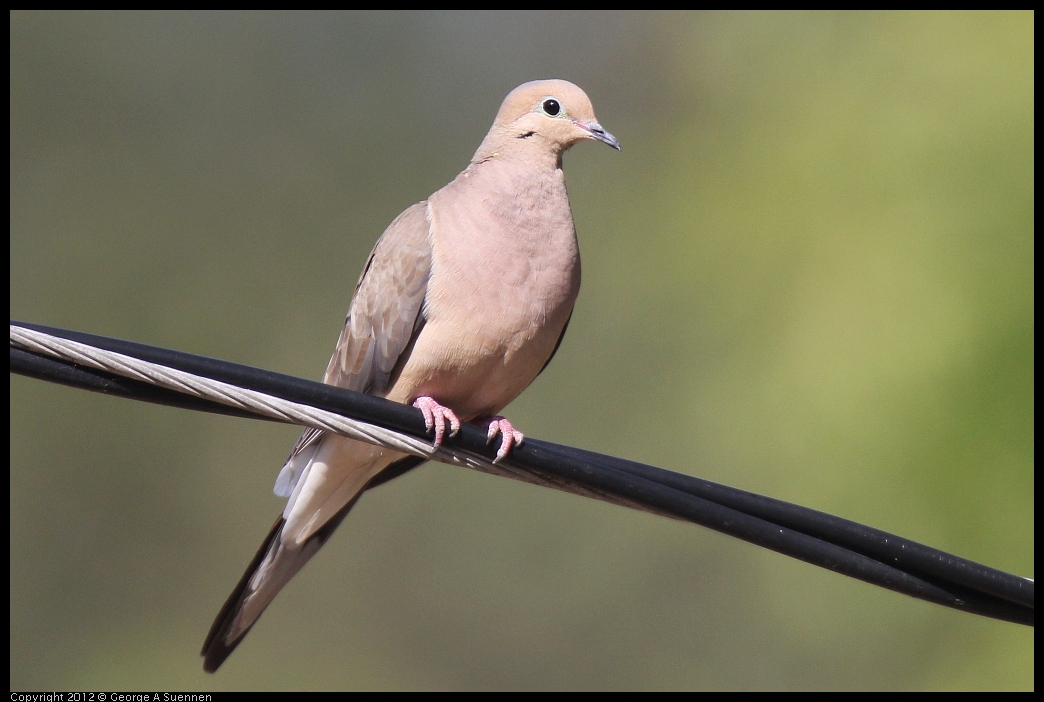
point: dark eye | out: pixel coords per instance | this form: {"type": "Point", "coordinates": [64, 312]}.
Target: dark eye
{"type": "Point", "coordinates": [551, 107]}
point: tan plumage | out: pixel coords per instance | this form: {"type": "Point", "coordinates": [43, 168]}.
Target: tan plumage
{"type": "Point", "coordinates": [460, 306]}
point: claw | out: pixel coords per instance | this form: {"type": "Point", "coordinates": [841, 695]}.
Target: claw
{"type": "Point", "coordinates": [511, 436]}
{"type": "Point", "coordinates": [435, 416]}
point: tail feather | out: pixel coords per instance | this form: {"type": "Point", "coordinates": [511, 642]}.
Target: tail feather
{"type": "Point", "coordinates": [280, 564]}
{"type": "Point", "coordinates": [271, 569]}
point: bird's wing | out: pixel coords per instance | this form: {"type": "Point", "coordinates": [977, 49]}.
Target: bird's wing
{"type": "Point", "coordinates": [325, 474]}
{"type": "Point", "coordinates": [386, 309]}
{"type": "Point", "coordinates": [384, 318]}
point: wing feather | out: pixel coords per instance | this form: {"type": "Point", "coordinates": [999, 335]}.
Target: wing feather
{"type": "Point", "coordinates": [386, 309]}
{"type": "Point", "coordinates": [384, 316]}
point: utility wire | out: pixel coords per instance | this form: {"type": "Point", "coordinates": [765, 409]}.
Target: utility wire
{"type": "Point", "coordinates": [174, 378]}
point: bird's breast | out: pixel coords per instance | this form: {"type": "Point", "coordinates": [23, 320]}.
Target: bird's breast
{"type": "Point", "coordinates": [504, 277]}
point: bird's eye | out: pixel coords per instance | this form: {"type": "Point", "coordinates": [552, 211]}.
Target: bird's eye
{"type": "Point", "coordinates": [551, 107]}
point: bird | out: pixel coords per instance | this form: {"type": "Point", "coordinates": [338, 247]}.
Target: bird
{"type": "Point", "coordinates": [461, 304]}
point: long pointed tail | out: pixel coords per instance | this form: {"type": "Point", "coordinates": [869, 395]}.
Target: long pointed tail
{"type": "Point", "coordinates": [273, 566]}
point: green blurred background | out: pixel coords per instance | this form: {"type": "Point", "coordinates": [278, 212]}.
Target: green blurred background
{"type": "Point", "coordinates": [808, 274]}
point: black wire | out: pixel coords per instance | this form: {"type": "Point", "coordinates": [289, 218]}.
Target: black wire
{"type": "Point", "coordinates": [842, 546]}
{"type": "Point", "coordinates": [911, 556]}
{"type": "Point", "coordinates": [65, 373]}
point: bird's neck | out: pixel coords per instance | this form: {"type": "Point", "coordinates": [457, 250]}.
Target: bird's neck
{"type": "Point", "coordinates": [538, 152]}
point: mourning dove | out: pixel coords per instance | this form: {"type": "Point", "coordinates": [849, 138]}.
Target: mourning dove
{"type": "Point", "coordinates": [461, 304]}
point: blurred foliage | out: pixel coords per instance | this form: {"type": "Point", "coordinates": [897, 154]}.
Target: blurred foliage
{"type": "Point", "coordinates": [808, 274]}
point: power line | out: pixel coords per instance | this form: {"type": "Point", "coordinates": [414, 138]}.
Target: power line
{"type": "Point", "coordinates": [174, 378]}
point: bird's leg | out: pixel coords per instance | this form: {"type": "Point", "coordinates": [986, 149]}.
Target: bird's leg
{"type": "Point", "coordinates": [435, 416]}
{"type": "Point", "coordinates": [511, 436]}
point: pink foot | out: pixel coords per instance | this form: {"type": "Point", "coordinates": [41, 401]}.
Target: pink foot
{"type": "Point", "coordinates": [435, 416]}
{"type": "Point", "coordinates": [511, 437]}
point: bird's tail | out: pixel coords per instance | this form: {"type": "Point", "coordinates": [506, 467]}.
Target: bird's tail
{"type": "Point", "coordinates": [274, 564]}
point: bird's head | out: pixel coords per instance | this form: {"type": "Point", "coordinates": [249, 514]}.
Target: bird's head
{"type": "Point", "coordinates": [556, 113]}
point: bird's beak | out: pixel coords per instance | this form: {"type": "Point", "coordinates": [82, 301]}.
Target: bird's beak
{"type": "Point", "coordinates": [599, 134]}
